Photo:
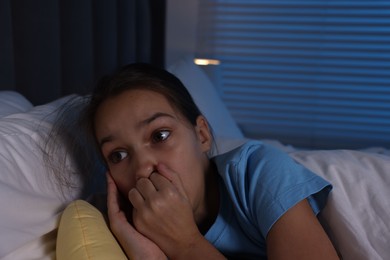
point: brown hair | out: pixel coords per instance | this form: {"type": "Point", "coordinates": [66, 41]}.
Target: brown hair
{"type": "Point", "coordinates": [143, 76]}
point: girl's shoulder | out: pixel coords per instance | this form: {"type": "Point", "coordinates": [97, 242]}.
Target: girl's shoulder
{"type": "Point", "coordinates": [262, 164]}
{"type": "Point", "coordinates": [252, 152]}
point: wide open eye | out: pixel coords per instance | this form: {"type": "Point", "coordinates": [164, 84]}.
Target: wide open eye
{"type": "Point", "coordinates": [117, 156]}
{"type": "Point", "coordinates": [161, 136]}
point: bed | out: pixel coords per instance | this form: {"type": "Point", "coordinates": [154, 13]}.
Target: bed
{"type": "Point", "coordinates": [38, 216]}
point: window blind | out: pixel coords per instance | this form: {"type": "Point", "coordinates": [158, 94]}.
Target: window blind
{"type": "Point", "coordinates": [310, 73]}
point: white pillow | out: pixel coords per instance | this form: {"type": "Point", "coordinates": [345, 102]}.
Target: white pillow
{"type": "Point", "coordinates": [206, 97]}
{"type": "Point", "coordinates": [13, 102]}
{"type": "Point", "coordinates": [357, 215]}
{"type": "Point", "coordinates": [30, 199]}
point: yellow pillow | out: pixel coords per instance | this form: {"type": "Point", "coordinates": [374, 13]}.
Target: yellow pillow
{"type": "Point", "coordinates": [83, 234]}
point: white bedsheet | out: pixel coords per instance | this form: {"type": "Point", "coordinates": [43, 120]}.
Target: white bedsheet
{"type": "Point", "coordinates": [357, 216]}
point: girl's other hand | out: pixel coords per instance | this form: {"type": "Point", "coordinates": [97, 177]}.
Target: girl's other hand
{"type": "Point", "coordinates": [135, 245]}
{"type": "Point", "coordinates": [163, 212]}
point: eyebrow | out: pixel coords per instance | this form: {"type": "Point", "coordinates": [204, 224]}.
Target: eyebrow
{"type": "Point", "coordinates": [153, 117]}
{"type": "Point", "coordinates": [147, 121]}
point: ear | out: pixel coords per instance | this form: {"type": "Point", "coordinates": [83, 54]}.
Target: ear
{"type": "Point", "coordinates": [203, 132]}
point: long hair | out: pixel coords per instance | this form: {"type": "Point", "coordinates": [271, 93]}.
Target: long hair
{"type": "Point", "coordinates": [143, 76]}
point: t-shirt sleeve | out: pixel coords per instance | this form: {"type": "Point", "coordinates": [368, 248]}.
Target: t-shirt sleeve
{"type": "Point", "coordinates": [268, 182]}
{"type": "Point", "coordinates": [277, 183]}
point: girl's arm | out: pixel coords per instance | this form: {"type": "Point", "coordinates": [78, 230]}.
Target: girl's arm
{"type": "Point", "coordinates": [299, 235]}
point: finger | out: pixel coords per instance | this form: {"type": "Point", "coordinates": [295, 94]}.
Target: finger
{"type": "Point", "coordinates": [112, 195]}
{"type": "Point", "coordinates": [136, 198]}
{"type": "Point", "coordinates": [159, 181]}
{"type": "Point", "coordinates": [173, 177]}
{"type": "Point", "coordinates": [145, 187]}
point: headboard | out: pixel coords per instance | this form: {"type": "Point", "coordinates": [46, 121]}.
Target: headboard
{"type": "Point", "coordinates": [51, 48]}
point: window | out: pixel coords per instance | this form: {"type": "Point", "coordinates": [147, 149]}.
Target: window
{"type": "Point", "coordinates": [312, 73]}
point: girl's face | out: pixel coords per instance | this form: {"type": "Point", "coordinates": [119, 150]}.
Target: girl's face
{"type": "Point", "coordinates": [139, 129]}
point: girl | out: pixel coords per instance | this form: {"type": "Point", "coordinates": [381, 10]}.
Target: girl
{"type": "Point", "coordinates": [168, 199]}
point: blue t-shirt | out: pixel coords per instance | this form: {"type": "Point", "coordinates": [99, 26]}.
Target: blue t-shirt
{"type": "Point", "coordinates": [258, 184]}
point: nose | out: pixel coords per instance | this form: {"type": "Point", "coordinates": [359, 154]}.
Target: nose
{"type": "Point", "coordinates": [145, 163]}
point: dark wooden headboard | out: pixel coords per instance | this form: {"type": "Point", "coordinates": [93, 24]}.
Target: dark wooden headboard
{"type": "Point", "coordinates": [51, 48]}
